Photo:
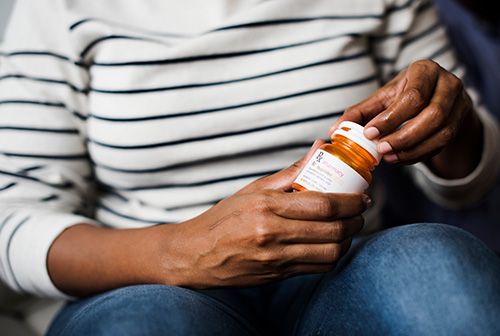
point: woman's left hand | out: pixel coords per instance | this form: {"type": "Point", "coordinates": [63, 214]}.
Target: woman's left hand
{"type": "Point", "coordinates": [422, 112]}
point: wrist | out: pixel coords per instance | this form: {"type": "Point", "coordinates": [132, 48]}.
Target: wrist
{"type": "Point", "coordinates": [86, 259]}
{"type": "Point", "coordinates": [171, 259]}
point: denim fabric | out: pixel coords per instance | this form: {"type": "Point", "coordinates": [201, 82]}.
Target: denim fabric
{"type": "Point", "coordinates": [421, 279]}
{"type": "Point", "coordinates": [406, 203]}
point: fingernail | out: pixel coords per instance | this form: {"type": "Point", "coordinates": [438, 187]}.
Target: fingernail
{"type": "Point", "coordinates": [384, 147]}
{"type": "Point", "coordinates": [367, 200]}
{"type": "Point", "coordinates": [391, 158]}
{"type": "Point", "coordinates": [371, 132]}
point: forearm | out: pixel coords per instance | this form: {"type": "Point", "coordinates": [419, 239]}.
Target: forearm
{"type": "Point", "coordinates": [86, 259]}
{"type": "Point", "coordinates": [262, 233]}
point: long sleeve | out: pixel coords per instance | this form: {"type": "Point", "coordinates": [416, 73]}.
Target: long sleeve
{"type": "Point", "coordinates": [422, 36]}
{"type": "Point", "coordinates": [183, 108]}
{"type": "Point", "coordinates": [45, 172]}
{"type": "Point", "coordinates": [470, 190]}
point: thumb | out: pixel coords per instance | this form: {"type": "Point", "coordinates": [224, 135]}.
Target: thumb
{"type": "Point", "coordinates": [283, 179]}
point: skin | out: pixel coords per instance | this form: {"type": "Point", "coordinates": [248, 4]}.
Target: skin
{"type": "Point", "coordinates": [442, 129]}
{"type": "Point", "coordinates": [262, 233]}
{"type": "Point", "coordinates": [265, 233]}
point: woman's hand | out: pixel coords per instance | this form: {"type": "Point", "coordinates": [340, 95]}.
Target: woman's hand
{"type": "Point", "coordinates": [424, 111]}
{"type": "Point", "coordinates": [261, 234]}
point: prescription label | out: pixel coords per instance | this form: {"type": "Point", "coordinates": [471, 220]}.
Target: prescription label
{"type": "Point", "coordinates": [327, 173]}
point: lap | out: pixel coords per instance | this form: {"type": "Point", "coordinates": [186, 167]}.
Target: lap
{"type": "Point", "coordinates": [150, 310]}
{"type": "Point", "coordinates": [411, 280]}
{"type": "Point", "coordinates": [397, 281]}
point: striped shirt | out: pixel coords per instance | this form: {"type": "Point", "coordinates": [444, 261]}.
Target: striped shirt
{"type": "Point", "coordinates": [130, 114]}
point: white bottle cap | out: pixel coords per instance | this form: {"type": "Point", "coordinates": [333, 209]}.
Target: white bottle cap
{"type": "Point", "coordinates": [354, 132]}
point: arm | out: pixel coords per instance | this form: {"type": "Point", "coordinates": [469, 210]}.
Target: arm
{"type": "Point", "coordinates": [425, 118]}
{"type": "Point", "coordinates": [50, 245]}
{"type": "Point", "coordinates": [44, 166]}
{"type": "Point", "coordinates": [441, 127]}
{"type": "Point", "coordinates": [261, 234]}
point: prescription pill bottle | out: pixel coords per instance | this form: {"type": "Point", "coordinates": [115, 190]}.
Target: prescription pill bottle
{"type": "Point", "coordinates": [344, 166]}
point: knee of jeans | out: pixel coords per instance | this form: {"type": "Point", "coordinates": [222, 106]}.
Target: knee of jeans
{"type": "Point", "coordinates": [127, 309]}
{"type": "Point", "coordinates": [434, 274]}
{"type": "Point", "coordinates": [425, 277]}
{"type": "Point", "coordinates": [147, 310]}
{"type": "Point", "coordinates": [433, 254]}
{"type": "Point", "coordinates": [427, 240]}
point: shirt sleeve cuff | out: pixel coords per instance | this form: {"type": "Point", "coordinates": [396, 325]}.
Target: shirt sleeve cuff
{"type": "Point", "coordinates": [29, 249]}
{"type": "Point", "coordinates": [469, 190]}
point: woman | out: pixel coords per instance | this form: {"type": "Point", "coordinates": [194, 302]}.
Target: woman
{"type": "Point", "coordinates": [185, 117]}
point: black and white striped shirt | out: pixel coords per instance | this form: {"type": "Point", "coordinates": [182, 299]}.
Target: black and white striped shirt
{"type": "Point", "coordinates": [139, 113]}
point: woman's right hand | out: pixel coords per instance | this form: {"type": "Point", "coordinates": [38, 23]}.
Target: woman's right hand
{"type": "Point", "coordinates": [260, 234]}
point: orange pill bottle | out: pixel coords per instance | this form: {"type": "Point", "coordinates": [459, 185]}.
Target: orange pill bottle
{"type": "Point", "coordinates": [344, 166]}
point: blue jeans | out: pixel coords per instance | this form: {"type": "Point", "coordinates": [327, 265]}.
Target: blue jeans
{"type": "Point", "coordinates": [421, 279]}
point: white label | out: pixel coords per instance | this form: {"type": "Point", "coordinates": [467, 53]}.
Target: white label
{"type": "Point", "coordinates": [327, 173]}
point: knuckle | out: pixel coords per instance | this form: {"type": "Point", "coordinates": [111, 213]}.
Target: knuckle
{"type": "Point", "coordinates": [416, 97]}
{"type": "Point", "coordinates": [263, 235]}
{"type": "Point", "coordinates": [263, 200]}
{"type": "Point", "coordinates": [267, 258]}
{"type": "Point", "coordinates": [437, 115]}
{"type": "Point", "coordinates": [430, 64]}
{"type": "Point", "coordinates": [426, 65]}
{"type": "Point", "coordinates": [334, 251]}
{"type": "Point", "coordinates": [433, 66]}
{"type": "Point", "coordinates": [455, 82]}
{"type": "Point", "coordinates": [447, 134]}
{"type": "Point", "coordinates": [325, 208]}
{"type": "Point", "coordinates": [400, 140]}
{"type": "Point", "coordinates": [386, 96]}
{"type": "Point", "coordinates": [339, 231]}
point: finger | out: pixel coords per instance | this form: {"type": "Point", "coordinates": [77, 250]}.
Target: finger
{"type": "Point", "coordinates": [300, 232]}
{"type": "Point", "coordinates": [314, 253]}
{"type": "Point", "coordinates": [421, 80]}
{"type": "Point", "coordinates": [302, 269]}
{"type": "Point", "coordinates": [300, 259]}
{"type": "Point", "coordinates": [361, 112]}
{"type": "Point", "coordinates": [432, 145]}
{"type": "Point", "coordinates": [287, 231]}
{"type": "Point", "coordinates": [434, 117]}
{"type": "Point", "coordinates": [292, 270]}
{"type": "Point", "coordinates": [313, 205]}
{"type": "Point", "coordinates": [283, 179]}
{"type": "Point", "coordinates": [367, 109]}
